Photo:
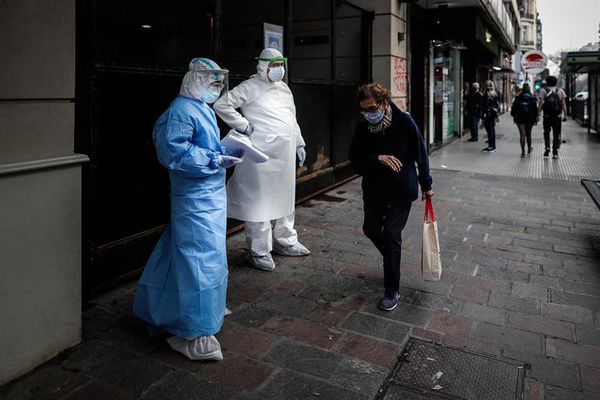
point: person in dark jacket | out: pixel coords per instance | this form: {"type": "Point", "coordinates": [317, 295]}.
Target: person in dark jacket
{"type": "Point", "coordinates": [474, 103]}
{"type": "Point", "coordinates": [553, 103]}
{"type": "Point", "coordinates": [525, 114]}
{"type": "Point", "coordinates": [490, 111]}
{"type": "Point", "coordinates": [386, 149]}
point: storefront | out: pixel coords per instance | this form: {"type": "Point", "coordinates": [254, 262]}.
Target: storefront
{"type": "Point", "coordinates": [447, 85]}
{"type": "Point", "coordinates": [586, 106]}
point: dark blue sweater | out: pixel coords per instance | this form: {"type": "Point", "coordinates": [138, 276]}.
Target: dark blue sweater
{"type": "Point", "coordinates": [401, 139]}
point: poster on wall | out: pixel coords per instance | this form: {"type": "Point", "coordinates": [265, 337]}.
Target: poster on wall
{"type": "Point", "coordinates": [273, 36]}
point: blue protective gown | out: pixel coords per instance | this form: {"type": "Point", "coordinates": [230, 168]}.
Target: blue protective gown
{"type": "Point", "coordinates": [182, 289]}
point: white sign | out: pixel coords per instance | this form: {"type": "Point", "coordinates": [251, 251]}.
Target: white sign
{"type": "Point", "coordinates": [534, 61]}
{"type": "Point", "coordinates": [273, 36]}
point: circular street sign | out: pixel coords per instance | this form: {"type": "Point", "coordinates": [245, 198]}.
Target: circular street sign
{"type": "Point", "coordinates": [534, 61]}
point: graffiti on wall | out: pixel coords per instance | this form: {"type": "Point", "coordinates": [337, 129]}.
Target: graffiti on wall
{"type": "Point", "coordinates": [400, 77]}
{"type": "Point", "coordinates": [401, 103]}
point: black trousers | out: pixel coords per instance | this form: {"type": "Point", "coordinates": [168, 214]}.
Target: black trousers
{"type": "Point", "coordinates": [553, 124]}
{"type": "Point", "coordinates": [384, 226]}
{"type": "Point", "coordinates": [490, 127]}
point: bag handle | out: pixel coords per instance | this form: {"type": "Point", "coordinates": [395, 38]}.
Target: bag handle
{"type": "Point", "coordinates": [429, 216]}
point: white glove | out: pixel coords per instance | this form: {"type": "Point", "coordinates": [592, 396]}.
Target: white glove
{"type": "Point", "coordinates": [248, 131]}
{"type": "Point", "coordinates": [226, 161]}
{"type": "Point", "coordinates": [301, 153]}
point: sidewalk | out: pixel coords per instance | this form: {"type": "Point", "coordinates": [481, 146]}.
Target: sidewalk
{"type": "Point", "coordinates": [521, 282]}
{"type": "Point", "coordinates": [579, 156]}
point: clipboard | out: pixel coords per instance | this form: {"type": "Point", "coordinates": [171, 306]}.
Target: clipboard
{"type": "Point", "coordinates": [235, 140]}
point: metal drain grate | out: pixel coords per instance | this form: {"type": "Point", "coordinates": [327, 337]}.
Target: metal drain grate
{"type": "Point", "coordinates": [430, 371]}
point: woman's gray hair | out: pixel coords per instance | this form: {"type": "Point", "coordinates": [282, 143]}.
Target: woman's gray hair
{"type": "Point", "coordinates": [374, 90]}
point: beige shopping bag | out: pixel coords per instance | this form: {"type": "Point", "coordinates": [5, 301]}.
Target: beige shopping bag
{"type": "Point", "coordinates": [431, 261]}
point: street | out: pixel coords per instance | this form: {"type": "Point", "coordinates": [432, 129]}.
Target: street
{"type": "Point", "coordinates": [520, 245]}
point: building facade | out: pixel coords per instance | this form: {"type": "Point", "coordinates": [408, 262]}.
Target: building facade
{"type": "Point", "coordinates": [452, 45]}
{"type": "Point", "coordinates": [40, 185]}
{"type": "Point", "coordinates": [529, 26]}
{"type": "Point", "coordinates": [82, 196]}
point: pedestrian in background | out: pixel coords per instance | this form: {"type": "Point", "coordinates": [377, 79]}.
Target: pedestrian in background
{"type": "Point", "coordinates": [491, 105]}
{"type": "Point", "coordinates": [554, 105]}
{"type": "Point", "coordinates": [386, 149]}
{"type": "Point", "coordinates": [474, 104]}
{"type": "Point", "coordinates": [525, 114]}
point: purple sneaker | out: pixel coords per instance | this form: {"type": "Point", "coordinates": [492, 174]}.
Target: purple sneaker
{"type": "Point", "coordinates": [389, 303]}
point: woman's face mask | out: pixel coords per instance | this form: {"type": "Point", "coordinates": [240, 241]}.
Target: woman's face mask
{"type": "Point", "coordinates": [276, 74]}
{"type": "Point", "coordinates": [373, 115]}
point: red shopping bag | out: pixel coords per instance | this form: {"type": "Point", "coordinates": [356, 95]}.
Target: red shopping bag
{"type": "Point", "coordinates": [431, 261]}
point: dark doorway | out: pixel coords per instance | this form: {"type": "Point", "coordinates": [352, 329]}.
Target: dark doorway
{"type": "Point", "coordinates": [131, 57]}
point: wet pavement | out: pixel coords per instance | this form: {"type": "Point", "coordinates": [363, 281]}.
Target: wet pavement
{"type": "Point", "coordinates": [521, 283]}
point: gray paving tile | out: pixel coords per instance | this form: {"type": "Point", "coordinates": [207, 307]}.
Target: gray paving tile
{"type": "Point", "coordinates": [303, 358]}
{"type": "Point", "coordinates": [549, 371]}
{"type": "Point", "coordinates": [509, 338]}
{"type": "Point", "coordinates": [126, 370]}
{"type": "Point", "coordinates": [407, 313]}
{"type": "Point", "coordinates": [49, 382]}
{"type": "Point", "coordinates": [293, 386]}
{"type": "Point", "coordinates": [181, 385]}
{"type": "Point", "coordinates": [437, 302]}
{"type": "Point", "coordinates": [359, 376]}
{"type": "Point", "coordinates": [378, 327]}
{"type": "Point", "coordinates": [513, 303]}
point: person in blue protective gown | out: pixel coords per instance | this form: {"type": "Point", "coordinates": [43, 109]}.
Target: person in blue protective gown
{"type": "Point", "coordinates": [183, 287]}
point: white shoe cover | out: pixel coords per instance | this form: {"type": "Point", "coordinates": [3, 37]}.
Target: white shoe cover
{"type": "Point", "coordinates": [295, 250]}
{"type": "Point", "coordinates": [228, 311]}
{"type": "Point", "coordinates": [264, 263]}
{"type": "Point", "coordinates": [201, 348]}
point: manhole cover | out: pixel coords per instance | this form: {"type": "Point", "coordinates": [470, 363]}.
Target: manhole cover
{"type": "Point", "coordinates": [430, 371]}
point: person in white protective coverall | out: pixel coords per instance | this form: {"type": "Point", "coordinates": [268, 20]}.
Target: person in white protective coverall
{"type": "Point", "coordinates": [183, 287]}
{"type": "Point", "coordinates": [261, 193]}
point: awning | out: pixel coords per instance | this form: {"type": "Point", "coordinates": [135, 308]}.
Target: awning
{"type": "Point", "coordinates": [583, 61]}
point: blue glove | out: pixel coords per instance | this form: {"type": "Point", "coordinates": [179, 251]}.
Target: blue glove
{"type": "Point", "coordinates": [301, 153]}
{"type": "Point", "coordinates": [227, 161]}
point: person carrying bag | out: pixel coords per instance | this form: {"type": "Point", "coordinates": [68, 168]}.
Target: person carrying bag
{"type": "Point", "coordinates": [431, 261]}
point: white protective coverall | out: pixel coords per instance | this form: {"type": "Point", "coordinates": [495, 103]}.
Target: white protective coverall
{"type": "Point", "coordinates": [260, 193]}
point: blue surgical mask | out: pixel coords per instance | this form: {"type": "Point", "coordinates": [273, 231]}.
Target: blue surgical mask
{"type": "Point", "coordinates": [276, 73]}
{"type": "Point", "coordinates": [211, 95]}
{"type": "Point", "coordinates": [373, 117]}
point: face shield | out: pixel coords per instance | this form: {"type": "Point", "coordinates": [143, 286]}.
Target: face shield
{"type": "Point", "coordinates": [205, 81]}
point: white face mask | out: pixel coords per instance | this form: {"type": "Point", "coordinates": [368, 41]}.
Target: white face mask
{"type": "Point", "coordinates": [211, 95]}
{"type": "Point", "coordinates": [276, 73]}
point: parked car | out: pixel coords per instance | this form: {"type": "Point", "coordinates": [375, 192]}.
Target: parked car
{"type": "Point", "coordinates": [581, 96]}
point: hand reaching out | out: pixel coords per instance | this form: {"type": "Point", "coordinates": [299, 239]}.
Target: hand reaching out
{"type": "Point", "coordinates": [391, 162]}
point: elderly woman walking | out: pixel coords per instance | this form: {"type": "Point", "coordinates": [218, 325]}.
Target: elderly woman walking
{"type": "Point", "coordinates": [386, 150]}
